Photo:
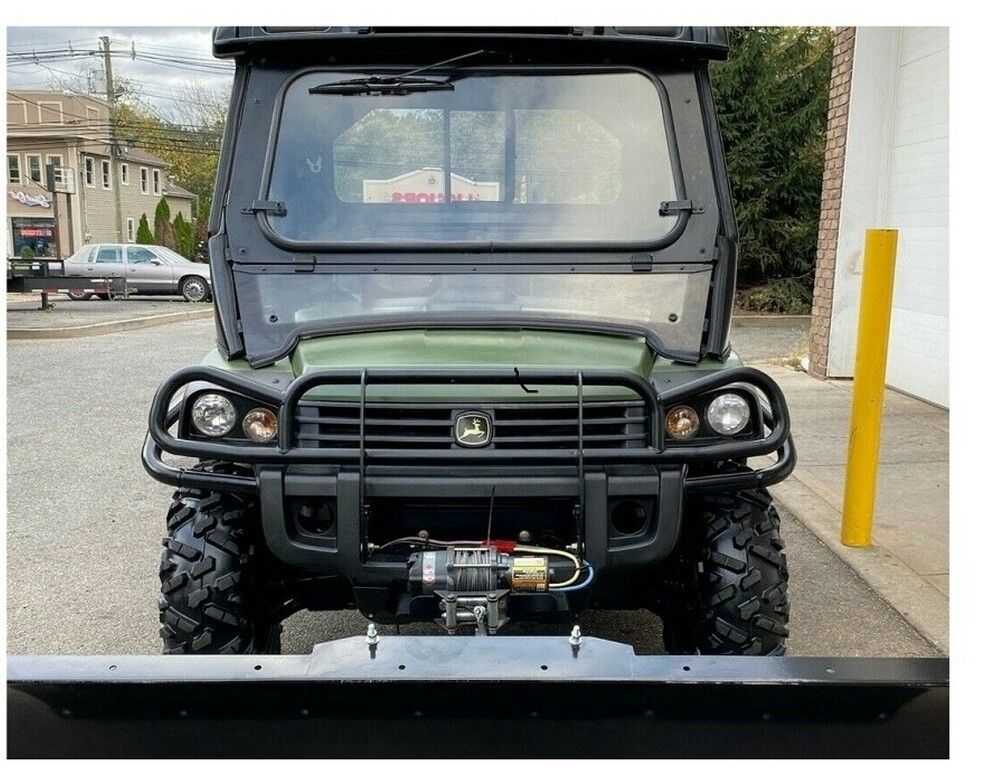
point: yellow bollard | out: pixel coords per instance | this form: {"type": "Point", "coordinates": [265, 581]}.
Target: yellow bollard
{"type": "Point", "coordinates": [876, 291]}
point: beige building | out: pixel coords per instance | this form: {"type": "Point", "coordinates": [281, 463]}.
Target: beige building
{"type": "Point", "coordinates": [72, 132]}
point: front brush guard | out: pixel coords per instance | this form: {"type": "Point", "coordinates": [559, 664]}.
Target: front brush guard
{"type": "Point", "coordinates": [660, 451]}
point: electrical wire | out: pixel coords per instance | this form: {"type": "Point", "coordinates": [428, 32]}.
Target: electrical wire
{"type": "Point", "coordinates": [584, 585]}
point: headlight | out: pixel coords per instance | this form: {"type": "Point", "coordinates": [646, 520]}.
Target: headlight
{"type": "Point", "coordinates": [727, 414]}
{"type": "Point", "coordinates": [260, 425]}
{"type": "Point", "coordinates": [213, 415]}
{"type": "Point", "coordinates": [682, 422]}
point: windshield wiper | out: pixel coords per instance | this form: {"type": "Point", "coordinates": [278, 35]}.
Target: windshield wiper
{"type": "Point", "coordinates": [393, 86]}
{"type": "Point", "coordinates": [396, 85]}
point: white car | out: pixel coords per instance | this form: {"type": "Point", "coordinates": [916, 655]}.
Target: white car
{"type": "Point", "coordinates": [146, 269]}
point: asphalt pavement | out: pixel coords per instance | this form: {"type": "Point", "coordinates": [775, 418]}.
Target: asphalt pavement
{"type": "Point", "coordinates": [24, 311]}
{"type": "Point", "coordinates": [85, 522]}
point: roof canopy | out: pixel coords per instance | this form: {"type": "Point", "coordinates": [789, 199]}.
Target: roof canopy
{"type": "Point", "coordinates": [573, 44]}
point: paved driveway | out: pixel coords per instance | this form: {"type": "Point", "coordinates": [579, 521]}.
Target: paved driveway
{"type": "Point", "coordinates": [85, 521]}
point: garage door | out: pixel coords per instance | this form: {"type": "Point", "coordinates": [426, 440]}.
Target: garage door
{"type": "Point", "coordinates": [917, 203]}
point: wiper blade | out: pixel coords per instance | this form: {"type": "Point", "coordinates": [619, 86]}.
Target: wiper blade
{"type": "Point", "coordinates": [386, 86]}
{"type": "Point", "coordinates": [397, 85]}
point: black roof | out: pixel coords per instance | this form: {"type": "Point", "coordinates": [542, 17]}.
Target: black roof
{"type": "Point", "coordinates": [573, 44]}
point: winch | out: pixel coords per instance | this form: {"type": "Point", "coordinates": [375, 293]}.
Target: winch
{"type": "Point", "coordinates": [476, 569]}
{"type": "Point", "coordinates": [473, 582]}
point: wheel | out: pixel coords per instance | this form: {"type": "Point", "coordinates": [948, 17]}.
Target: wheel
{"type": "Point", "coordinates": [732, 596]}
{"type": "Point", "coordinates": [194, 289]}
{"type": "Point", "coordinates": [104, 296]}
{"type": "Point", "coordinates": [79, 294]}
{"type": "Point", "coordinates": [213, 598]}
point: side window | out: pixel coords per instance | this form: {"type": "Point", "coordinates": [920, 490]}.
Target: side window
{"type": "Point", "coordinates": [88, 171]}
{"type": "Point", "coordinates": [109, 254]}
{"type": "Point", "coordinates": [139, 255]}
{"type": "Point", "coordinates": [13, 169]}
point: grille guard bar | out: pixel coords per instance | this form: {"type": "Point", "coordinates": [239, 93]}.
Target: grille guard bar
{"type": "Point", "coordinates": [659, 452]}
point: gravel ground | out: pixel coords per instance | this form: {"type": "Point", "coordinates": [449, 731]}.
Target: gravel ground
{"type": "Point", "coordinates": [85, 521]}
{"type": "Point", "coordinates": [754, 344]}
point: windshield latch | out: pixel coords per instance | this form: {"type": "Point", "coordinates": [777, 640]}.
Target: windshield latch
{"type": "Point", "coordinates": [272, 207]}
{"type": "Point", "coordinates": [675, 207]}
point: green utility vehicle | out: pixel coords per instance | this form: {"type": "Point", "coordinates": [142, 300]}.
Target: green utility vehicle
{"type": "Point", "coordinates": [473, 292]}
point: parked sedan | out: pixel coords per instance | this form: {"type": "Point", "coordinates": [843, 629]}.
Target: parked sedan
{"type": "Point", "coordinates": [146, 269]}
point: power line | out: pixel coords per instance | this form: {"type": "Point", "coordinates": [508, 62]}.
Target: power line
{"type": "Point", "coordinates": [86, 122]}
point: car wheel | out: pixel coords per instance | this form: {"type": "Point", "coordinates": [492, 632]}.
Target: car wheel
{"type": "Point", "coordinates": [194, 289]}
{"type": "Point", "coordinates": [79, 294]}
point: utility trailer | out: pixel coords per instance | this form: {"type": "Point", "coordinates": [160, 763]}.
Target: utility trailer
{"type": "Point", "coordinates": [47, 276]}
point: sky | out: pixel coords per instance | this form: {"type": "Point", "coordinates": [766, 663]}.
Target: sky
{"type": "Point", "coordinates": [167, 61]}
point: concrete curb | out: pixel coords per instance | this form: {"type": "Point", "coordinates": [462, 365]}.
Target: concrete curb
{"type": "Point", "coordinates": [923, 606]}
{"type": "Point", "coordinates": [800, 322]}
{"type": "Point", "coordinates": [111, 326]}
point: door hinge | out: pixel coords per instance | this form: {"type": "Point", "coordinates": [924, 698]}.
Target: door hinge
{"type": "Point", "coordinates": [674, 207]}
{"type": "Point", "coordinates": [642, 262]}
{"type": "Point", "coordinates": [272, 207]}
{"type": "Point", "coordinates": [304, 262]}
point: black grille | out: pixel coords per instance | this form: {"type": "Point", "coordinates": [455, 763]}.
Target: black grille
{"type": "Point", "coordinates": [416, 426]}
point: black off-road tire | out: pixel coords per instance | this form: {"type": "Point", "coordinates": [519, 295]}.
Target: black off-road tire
{"type": "Point", "coordinates": [79, 295]}
{"type": "Point", "coordinates": [740, 572]}
{"type": "Point", "coordinates": [213, 600]}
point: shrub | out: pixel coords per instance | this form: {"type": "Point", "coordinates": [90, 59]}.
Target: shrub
{"type": "Point", "coordinates": [144, 234]}
{"type": "Point", "coordinates": [183, 231]}
{"type": "Point", "coordinates": [789, 297]}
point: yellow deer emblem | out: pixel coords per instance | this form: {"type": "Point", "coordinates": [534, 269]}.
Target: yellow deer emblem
{"type": "Point", "coordinates": [473, 429]}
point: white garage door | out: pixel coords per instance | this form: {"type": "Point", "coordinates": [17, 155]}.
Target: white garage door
{"type": "Point", "coordinates": [917, 202]}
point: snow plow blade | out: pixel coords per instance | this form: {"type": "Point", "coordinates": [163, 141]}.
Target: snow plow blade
{"type": "Point", "coordinates": [405, 696]}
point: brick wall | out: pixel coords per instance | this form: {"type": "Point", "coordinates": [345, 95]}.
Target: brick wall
{"type": "Point", "coordinates": [832, 191]}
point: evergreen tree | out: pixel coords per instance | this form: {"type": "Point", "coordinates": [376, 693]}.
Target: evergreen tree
{"type": "Point", "coordinates": [772, 97]}
{"type": "Point", "coordinates": [164, 234]}
{"type": "Point", "coordinates": [184, 235]}
{"type": "Point", "coordinates": [144, 234]}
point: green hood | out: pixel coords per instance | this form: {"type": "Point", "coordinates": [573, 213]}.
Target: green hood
{"type": "Point", "coordinates": [472, 349]}
{"type": "Point", "coordinates": [458, 348]}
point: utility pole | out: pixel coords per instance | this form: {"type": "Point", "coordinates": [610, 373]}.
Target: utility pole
{"type": "Point", "coordinates": [115, 160]}
{"type": "Point", "coordinates": [50, 185]}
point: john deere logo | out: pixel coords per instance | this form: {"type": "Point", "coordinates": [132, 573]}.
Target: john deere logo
{"type": "Point", "coordinates": [473, 429]}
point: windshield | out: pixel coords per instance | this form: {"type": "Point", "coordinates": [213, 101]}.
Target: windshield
{"type": "Point", "coordinates": [170, 257]}
{"type": "Point", "coordinates": [503, 157]}
{"type": "Point", "coordinates": [670, 306]}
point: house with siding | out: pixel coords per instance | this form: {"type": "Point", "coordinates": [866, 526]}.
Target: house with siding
{"type": "Point", "coordinates": [73, 133]}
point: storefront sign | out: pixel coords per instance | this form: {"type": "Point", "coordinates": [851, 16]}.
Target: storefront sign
{"type": "Point", "coordinates": [426, 186]}
{"type": "Point", "coordinates": [33, 200]}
